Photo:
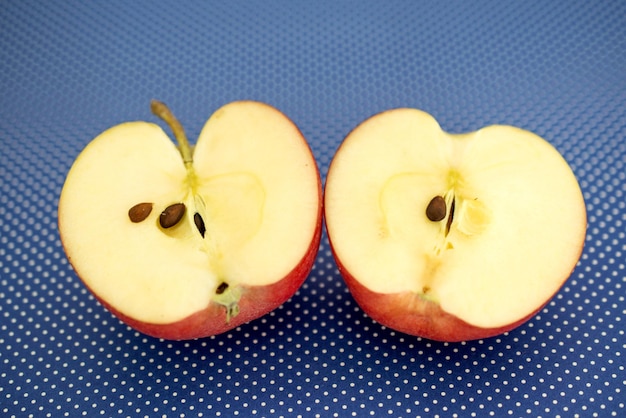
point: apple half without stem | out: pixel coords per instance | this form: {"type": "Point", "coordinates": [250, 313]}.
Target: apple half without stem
{"type": "Point", "coordinates": [182, 242]}
{"type": "Point", "coordinates": [451, 237]}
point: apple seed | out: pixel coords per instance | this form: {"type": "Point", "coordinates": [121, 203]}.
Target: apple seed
{"type": "Point", "coordinates": [197, 219]}
{"type": "Point", "coordinates": [436, 209]}
{"type": "Point", "coordinates": [221, 288]}
{"type": "Point", "coordinates": [139, 212]}
{"type": "Point", "coordinates": [451, 217]}
{"type": "Point", "coordinates": [172, 215]}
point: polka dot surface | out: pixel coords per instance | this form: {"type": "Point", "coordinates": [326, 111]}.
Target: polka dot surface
{"type": "Point", "coordinates": [72, 69]}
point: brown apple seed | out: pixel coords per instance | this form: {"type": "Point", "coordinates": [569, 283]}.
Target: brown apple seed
{"type": "Point", "coordinates": [197, 219]}
{"type": "Point", "coordinates": [139, 212]}
{"type": "Point", "coordinates": [172, 215]}
{"type": "Point", "coordinates": [436, 209]}
{"type": "Point", "coordinates": [451, 217]}
{"type": "Point", "coordinates": [221, 288]}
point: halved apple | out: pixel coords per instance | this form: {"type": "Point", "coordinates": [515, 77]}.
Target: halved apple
{"type": "Point", "coordinates": [451, 237]}
{"type": "Point", "coordinates": [186, 243]}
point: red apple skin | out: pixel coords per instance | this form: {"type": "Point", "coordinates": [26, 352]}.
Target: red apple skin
{"type": "Point", "coordinates": [411, 314]}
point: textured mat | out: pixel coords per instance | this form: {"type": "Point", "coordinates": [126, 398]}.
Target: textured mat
{"type": "Point", "coordinates": [69, 70]}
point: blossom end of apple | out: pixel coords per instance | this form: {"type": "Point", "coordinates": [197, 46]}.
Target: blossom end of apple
{"type": "Point", "coordinates": [228, 297]}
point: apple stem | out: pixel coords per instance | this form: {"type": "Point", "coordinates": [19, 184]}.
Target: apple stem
{"type": "Point", "coordinates": [161, 110]}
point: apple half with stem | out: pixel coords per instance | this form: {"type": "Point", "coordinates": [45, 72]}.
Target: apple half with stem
{"type": "Point", "coordinates": [451, 237]}
{"type": "Point", "coordinates": [182, 242]}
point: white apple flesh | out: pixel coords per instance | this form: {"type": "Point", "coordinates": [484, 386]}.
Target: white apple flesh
{"type": "Point", "coordinates": [249, 232]}
{"type": "Point", "coordinates": [503, 235]}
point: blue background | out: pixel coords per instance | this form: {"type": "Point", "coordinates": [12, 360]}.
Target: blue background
{"type": "Point", "coordinates": [69, 70]}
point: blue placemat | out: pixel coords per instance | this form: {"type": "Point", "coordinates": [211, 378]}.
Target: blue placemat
{"type": "Point", "coordinates": [69, 70]}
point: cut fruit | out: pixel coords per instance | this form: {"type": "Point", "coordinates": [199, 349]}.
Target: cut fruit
{"type": "Point", "coordinates": [185, 243]}
{"type": "Point", "coordinates": [451, 237]}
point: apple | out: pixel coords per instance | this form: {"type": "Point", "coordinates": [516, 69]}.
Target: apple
{"type": "Point", "coordinates": [451, 237]}
{"type": "Point", "coordinates": [182, 242]}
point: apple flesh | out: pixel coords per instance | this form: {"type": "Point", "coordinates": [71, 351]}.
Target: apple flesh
{"type": "Point", "coordinates": [451, 237]}
{"type": "Point", "coordinates": [183, 243]}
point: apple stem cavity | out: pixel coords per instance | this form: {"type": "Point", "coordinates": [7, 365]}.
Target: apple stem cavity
{"type": "Point", "coordinates": [161, 110]}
